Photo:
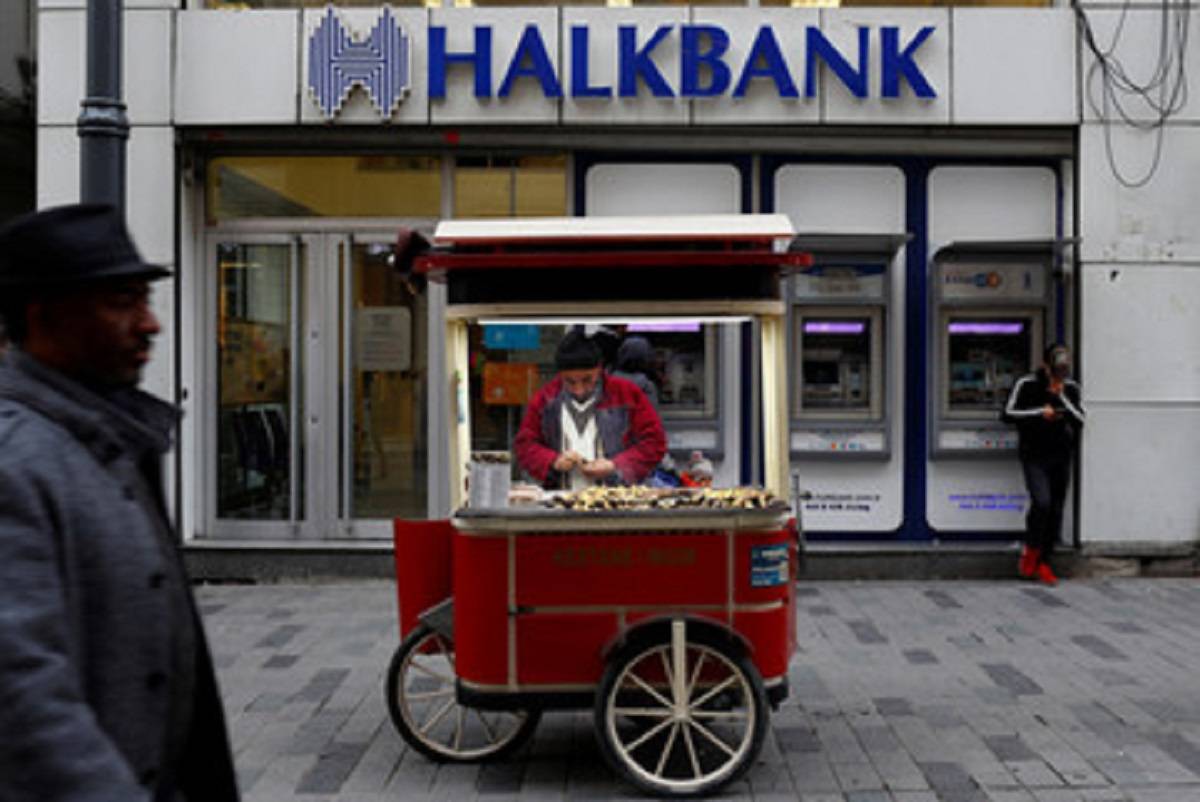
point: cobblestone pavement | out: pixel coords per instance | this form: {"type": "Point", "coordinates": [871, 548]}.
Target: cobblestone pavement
{"type": "Point", "coordinates": [901, 692]}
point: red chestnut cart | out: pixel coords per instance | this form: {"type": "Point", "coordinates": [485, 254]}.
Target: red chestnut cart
{"type": "Point", "coordinates": [675, 626]}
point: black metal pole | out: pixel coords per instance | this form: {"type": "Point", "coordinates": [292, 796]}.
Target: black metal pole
{"type": "Point", "coordinates": [103, 127]}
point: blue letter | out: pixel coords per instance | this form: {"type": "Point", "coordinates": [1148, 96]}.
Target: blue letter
{"type": "Point", "coordinates": [766, 49]}
{"type": "Point", "coordinates": [533, 48]}
{"type": "Point", "coordinates": [897, 62]}
{"type": "Point", "coordinates": [579, 66]}
{"type": "Point", "coordinates": [635, 62]}
{"type": "Point", "coordinates": [480, 59]}
{"type": "Point", "coordinates": [818, 45]}
{"type": "Point", "coordinates": [691, 59]}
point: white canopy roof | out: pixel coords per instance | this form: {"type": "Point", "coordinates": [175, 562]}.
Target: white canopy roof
{"type": "Point", "coordinates": [699, 226]}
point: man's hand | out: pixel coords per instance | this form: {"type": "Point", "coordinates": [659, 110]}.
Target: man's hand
{"type": "Point", "coordinates": [566, 461]}
{"type": "Point", "coordinates": [599, 468]}
{"type": "Point", "coordinates": [1049, 412]}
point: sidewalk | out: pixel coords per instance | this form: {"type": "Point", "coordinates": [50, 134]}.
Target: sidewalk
{"type": "Point", "coordinates": [901, 692]}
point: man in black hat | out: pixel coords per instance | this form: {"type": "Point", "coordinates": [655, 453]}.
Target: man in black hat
{"type": "Point", "coordinates": [107, 689]}
{"type": "Point", "coordinates": [586, 427]}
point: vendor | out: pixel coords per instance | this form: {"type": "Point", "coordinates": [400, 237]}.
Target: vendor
{"type": "Point", "coordinates": [586, 427]}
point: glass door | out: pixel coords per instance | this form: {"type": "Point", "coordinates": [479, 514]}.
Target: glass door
{"type": "Point", "coordinates": [315, 407]}
{"type": "Point", "coordinates": [381, 355]}
{"type": "Point", "coordinates": [255, 402]}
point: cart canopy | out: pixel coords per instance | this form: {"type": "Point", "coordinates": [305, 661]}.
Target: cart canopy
{"type": "Point", "coordinates": [678, 258]}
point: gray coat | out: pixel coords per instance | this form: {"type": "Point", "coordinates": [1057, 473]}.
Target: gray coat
{"type": "Point", "coordinates": [107, 690]}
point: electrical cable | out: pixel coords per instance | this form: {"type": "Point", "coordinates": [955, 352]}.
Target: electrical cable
{"type": "Point", "coordinates": [1164, 93]}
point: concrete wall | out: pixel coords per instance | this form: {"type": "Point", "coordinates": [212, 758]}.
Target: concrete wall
{"type": "Point", "coordinates": [1140, 309]}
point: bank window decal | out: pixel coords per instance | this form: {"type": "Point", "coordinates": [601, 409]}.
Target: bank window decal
{"type": "Point", "coordinates": [380, 64]}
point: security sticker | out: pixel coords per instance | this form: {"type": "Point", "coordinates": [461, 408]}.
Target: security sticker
{"type": "Point", "coordinates": [769, 565]}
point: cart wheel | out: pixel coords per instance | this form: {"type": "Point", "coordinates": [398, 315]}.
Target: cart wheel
{"type": "Point", "coordinates": [681, 714]}
{"type": "Point", "coordinates": [421, 700]}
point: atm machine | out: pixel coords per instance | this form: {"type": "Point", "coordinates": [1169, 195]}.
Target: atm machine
{"type": "Point", "coordinates": [991, 314]}
{"type": "Point", "coordinates": [840, 358]}
{"type": "Point", "coordinates": [687, 372]}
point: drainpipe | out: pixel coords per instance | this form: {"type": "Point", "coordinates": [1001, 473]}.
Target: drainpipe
{"type": "Point", "coordinates": [103, 127]}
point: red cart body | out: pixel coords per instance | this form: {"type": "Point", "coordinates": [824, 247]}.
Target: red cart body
{"type": "Point", "coordinates": [538, 608]}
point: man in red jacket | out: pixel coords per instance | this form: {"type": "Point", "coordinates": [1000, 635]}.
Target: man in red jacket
{"type": "Point", "coordinates": [586, 427]}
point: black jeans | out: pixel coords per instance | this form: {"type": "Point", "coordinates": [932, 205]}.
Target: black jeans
{"type": "Point", "coordinates": [1046, 480]}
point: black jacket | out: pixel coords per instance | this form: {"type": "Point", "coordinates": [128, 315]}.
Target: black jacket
{"type": "Point", "coordinates": [1041, 438]}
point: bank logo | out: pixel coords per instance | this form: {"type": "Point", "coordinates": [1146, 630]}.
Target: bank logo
{"type": "Point", "coordinates": [380, 64]}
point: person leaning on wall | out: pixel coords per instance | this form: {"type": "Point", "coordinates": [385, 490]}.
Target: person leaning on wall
{"type": "Point", "coordinates": [1047, 408]}
{"type": "Point", "coordinates": [107, 689]}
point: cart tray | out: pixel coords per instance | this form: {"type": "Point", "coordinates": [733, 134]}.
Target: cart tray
{"type": "Point", "coordinates": [535, 520]}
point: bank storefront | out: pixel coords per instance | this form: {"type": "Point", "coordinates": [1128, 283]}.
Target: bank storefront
{"type": "Point", "coordinates": [932, 159]}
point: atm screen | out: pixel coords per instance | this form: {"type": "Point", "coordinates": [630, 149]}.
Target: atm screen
{"type": "Point", "coordinates": [986, 357]}
{"type": "Point", "coordinates": [835, 364]}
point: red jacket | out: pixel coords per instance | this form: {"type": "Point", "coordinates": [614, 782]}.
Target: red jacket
{"type": "Point", "coordinates": [630, 431]}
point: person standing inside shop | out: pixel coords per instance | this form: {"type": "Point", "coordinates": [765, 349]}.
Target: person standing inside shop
{"type": "Point", "coordinates": [1047, 408]}
{"type": "Point", "coordinates": [586, 427]}
{"type": "Point", "coordinates": [107, 689]}
{"type": "Point", "coordinates": [634, 358]}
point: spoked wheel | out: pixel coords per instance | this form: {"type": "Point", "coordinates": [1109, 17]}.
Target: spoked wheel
{"type": "Point", "coordinates": [423, 705]}
{"type": "Point", "coordinates": [681, 714]}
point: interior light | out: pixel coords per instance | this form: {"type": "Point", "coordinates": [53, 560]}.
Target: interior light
{"type": "Point", "coordinates": [630, 322]}
{"type": "Point", "coordinates": [834, 327]}
{"type": "Point", "coordinates": [683, 327]}
{"type": "Point", "coordinates": [986, 327]}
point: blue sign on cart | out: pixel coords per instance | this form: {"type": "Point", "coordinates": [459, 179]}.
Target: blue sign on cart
{"type": "Point", "coordinates": [511, 337]}
{"type": "Point", "coordinates": [769, 565]}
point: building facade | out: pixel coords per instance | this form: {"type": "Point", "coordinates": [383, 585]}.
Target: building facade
{"type": "Point", "coordinates": [962, 174]}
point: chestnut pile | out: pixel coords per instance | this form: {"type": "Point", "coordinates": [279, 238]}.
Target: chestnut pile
{"type": "Point", "coordinates": [602, 498]}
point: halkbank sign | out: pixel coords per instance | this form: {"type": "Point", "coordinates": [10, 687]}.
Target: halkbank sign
{"type": "Point", "coordinates": [879, 64]}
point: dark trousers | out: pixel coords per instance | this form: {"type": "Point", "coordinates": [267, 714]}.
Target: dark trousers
{"type": "Point", "coordinates": [1046, 480]}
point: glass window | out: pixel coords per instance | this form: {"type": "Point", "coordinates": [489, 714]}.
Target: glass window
{"type": "Point", "coordinates": [609, 3]}
{"type": "Point", "coordinates": [859, 3]}
{"type": "Point", "coordinates": [985, 358]}
{"type": "Point", "coordinates": [509, 363]}
{"type": "Point", "coordinates": [243, 5]}
{"type": "Point", "coordinates": [510, 186]}
{"type": "Point", "coordinates": [324, 186]}
{"type": "Point", "coordinates": [683, 366]}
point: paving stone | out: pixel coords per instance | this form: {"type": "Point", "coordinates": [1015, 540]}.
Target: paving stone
{"type": "Point", "coordinates": [281, 661]}
{"type": "Point", "coordinates": [500, 778]}
{"type": "Point", "coordinates": [891, 706]}
{"type": "Point", "coordinates": [1010, 678]}
{"type": "Point", "coordinates": [943, 599]}
{"type": "Point", "coordinates": [279, 636]}
{"type": "Point", "coordinates": [1009, 748]}
{"type": "Point", "coordinates": [333, 766]}
{"type": "Point", "coordinates": [1045, 597]}
{"type": "Point", "coordinates": [920, 657]}
{"type": "Point", "coordinates": [1099, 647]}
{"type": "Point", "coordinates": [866, 632]}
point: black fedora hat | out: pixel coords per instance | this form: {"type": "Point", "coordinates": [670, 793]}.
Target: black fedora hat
{"type": "Point", "coordinates": [68, 245]}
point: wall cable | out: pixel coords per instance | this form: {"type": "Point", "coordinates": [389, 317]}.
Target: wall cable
{"type": "Point", "coordinates": [1164, 93]}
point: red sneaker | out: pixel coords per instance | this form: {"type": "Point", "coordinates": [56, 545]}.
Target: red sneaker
{"type": "Point", "coordinates": [1045, 575]}
{"type": "Point", "coordinates": [1027, 567]}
